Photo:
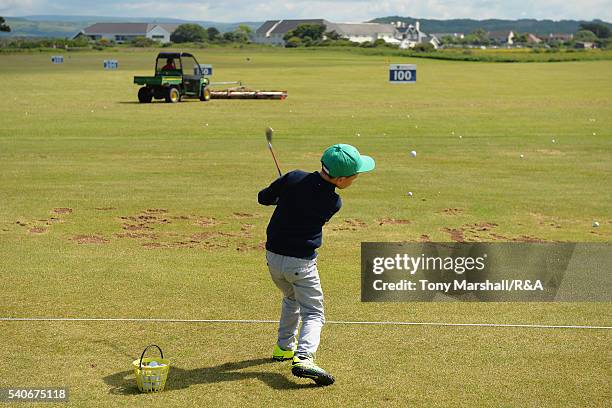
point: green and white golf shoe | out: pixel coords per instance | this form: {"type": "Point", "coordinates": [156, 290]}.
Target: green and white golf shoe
{"type": "Point", "coordinates": [281, 355]}
{"type": "Point", "coordinates": [304, 366]}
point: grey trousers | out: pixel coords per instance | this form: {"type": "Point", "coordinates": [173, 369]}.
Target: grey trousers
{"type": "Point", "coordinates": [299, 281]}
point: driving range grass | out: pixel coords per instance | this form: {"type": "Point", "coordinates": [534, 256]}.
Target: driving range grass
{"type": "Point", "coordinates": [163, 222]}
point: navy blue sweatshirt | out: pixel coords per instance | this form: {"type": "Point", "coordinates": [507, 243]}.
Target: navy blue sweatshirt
{"type": "Point", "coordinates": [304, 202]}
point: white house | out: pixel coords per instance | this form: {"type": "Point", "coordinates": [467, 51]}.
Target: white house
{"type": "Point", "coordinates": [124, 32]}
{"type": "Point", "coordinates": [363, 32]}
{"type": "Point", "coordinates": [503, 37]}
{"type": "Point", "coordinates": [411, 35]}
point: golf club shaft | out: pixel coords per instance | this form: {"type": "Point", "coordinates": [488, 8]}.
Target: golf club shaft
{"type": "Point", "coordinates": [275, 161]}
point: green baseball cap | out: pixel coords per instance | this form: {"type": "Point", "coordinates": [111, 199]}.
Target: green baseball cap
{"type": "Point", "coordinates": [343, 160]}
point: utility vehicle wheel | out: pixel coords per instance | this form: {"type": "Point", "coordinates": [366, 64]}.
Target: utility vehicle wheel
{"type": "Point", "coordinates": [205, 94]}
{"type": "Point", "coordinates": [173, 95]}
{"type": "Point", "coordinates": [145, 95]}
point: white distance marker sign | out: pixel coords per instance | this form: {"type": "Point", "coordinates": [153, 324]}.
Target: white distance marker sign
{"type": "Point", "coordinates": [402, 73]}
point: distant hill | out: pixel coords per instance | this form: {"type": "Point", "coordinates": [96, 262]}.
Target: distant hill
{"type": "Point", "coordinates": [68, 26]}
{"type": "Point", "coordinates": [466, 26]}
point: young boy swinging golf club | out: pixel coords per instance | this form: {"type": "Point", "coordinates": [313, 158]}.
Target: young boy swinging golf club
{"type": "Point", "coordinates": [304, 203]}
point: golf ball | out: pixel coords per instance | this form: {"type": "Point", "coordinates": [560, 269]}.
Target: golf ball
{"type": "Point", "coordinates": [554, 141]}
{"type": "Point", "coordinates": [413, 153]}
{"type": "Point", "coordinates": [453, 132]}
{"type": "Point", "coordinates": [153, 364]}
{"type": "Point", "coordinates": [410, 194]}
{"type": "Point", "coordinates": [522, 156]}
{"type": "Point", "coordinates": [595, 224]}
{"type": "Point", "coordinates": [460, 137]}
{"type": "Point", "coordinates": [594, 134]}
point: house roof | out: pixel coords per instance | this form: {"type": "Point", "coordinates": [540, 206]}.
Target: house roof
{"type": "Point", "coordinates": [126, 28]}
{"type": "Point", "coordinates": [361, 29]}
{"type": "Point", "coordinates": [288, 25]}
{"type": "Point", "coordinates": [499, 34]}
{"type": "Point", "coordinates": [117, 28]}
{"type": "Point", "coordinates": [168, 27]}
{"type": "Point", "coordinates": [284, 26]}
{"type": "Point", "coordinates": [263, 29]}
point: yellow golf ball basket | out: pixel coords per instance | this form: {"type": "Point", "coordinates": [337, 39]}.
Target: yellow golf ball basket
{"type": "Point", "coordinates": [151, 373]}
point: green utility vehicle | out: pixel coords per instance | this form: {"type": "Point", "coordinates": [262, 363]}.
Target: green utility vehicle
{"type": "Point", "coordinates": [177, 75]}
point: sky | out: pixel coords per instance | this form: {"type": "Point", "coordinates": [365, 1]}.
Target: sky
{"type": "Point", "coordinates": [334, 10]}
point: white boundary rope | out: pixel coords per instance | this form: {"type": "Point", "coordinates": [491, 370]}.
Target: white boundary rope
{"type": "Point", "coordinates": [390, 323]}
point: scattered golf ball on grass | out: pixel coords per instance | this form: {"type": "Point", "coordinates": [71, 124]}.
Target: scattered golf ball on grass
{"type": "Point", "coordinates": [595, 224]}
{"type": "Point", "coordinates": [522, 156]}
{"type": "Point", "coordinates": [413, 153]}
{"type": "Point", "coordinates": [410, 194]}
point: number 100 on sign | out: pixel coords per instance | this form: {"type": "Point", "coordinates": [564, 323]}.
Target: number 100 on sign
{"type": "Point", "coordinates": [402, 73]}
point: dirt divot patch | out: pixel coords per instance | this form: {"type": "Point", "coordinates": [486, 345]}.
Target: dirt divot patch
{"type": "Point", "coordinates": [155, 211]}
{"type": "Point", "coordinates": [480, 226]}
{"type": "Point", "coordinates": [200, 236]}
{"type": "Point", "coordinates": [350, 224]}
{"type": "Point", "coordinates": [393, 221]}
{"type": "Point", "coordinates": [243, 215]}
{"type": "Point", "coordinates": [243, 247]}
{"type": "Point", "coordinates": [456, 234]}
{"type": "Point", "coordinates": [137, 227]}
{"type": "Point", "coordinates": [136, 235]}
{"type": "Point", "coordinates": [37, 230]}
{"type": "Point", "coordinates": [452, 211]}
{"type": "Point", "coordinates": [206, 221]}
{"type": "Point", "coordinates": [62, 210]}
{"type": "Point", "coordinates": [89, 239]}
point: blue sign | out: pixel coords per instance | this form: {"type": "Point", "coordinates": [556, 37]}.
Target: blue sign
{"type": "Point", "coordinates": [111, 64]}
{"type": "Point", "coordinates": [402, 73]}
{"type": "Point", "coordinates": [205, 69]}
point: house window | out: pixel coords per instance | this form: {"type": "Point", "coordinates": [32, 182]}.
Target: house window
{"type": "Point", "coordinates": [157, 37]}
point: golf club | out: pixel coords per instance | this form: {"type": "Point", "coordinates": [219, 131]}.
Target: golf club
{"type": "Point", "coordinates": [269, 132]}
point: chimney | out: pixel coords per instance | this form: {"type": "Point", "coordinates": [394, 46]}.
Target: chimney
{"type": "Point", "coordinates": [418, 25]}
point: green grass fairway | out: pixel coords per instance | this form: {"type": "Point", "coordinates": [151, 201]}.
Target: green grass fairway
{"type": "Point", "coordinates": [110, 208]}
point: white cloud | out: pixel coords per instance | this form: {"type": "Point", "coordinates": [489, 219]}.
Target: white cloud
{"type": "Point", "coordinates": [335, 10]}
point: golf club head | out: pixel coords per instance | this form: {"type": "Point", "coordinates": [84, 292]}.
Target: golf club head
{"type": "Point", "coordinates": [269, 132]}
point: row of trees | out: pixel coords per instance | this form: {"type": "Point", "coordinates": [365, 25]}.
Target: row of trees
{"type": "Point", "coordinates": [197, 34]}
{"type": "Point", "coordinates": [309, 35]}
